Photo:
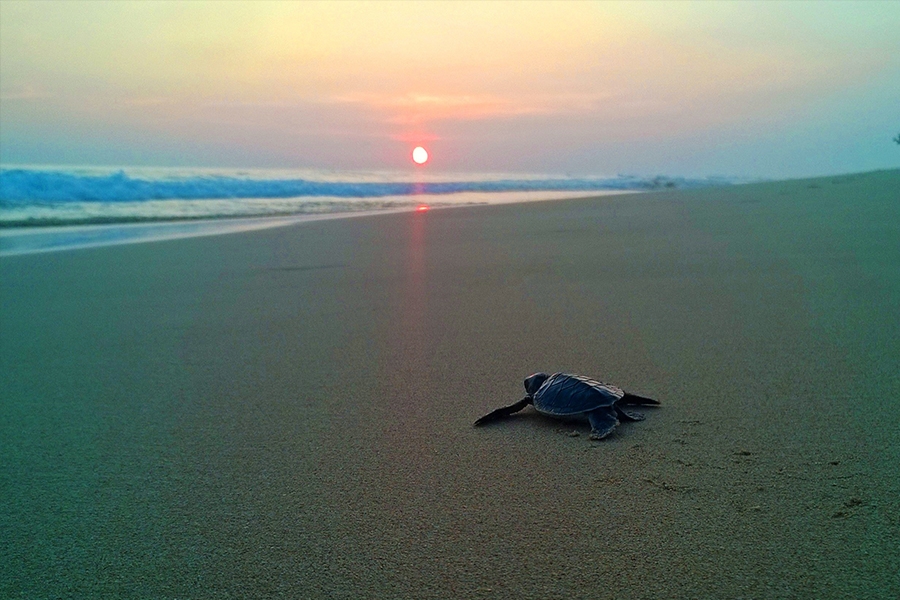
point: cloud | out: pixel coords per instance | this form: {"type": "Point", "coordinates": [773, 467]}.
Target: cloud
{"type": "Point", "coordinates": [149, 101]}
{"type": "Point", "coordinates": [24, 92]}
{"type": "Point", "coordinates": [419, 108]}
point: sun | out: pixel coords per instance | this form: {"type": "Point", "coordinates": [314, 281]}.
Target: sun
{"type": "Point", "coordinates": [420, 155]}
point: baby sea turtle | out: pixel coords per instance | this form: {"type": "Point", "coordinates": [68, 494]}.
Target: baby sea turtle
{"type": "Point", "coordinates": [566, 396]}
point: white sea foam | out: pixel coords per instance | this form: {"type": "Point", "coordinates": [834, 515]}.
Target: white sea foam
{"type": "Point", "coordinates": [31, 240]}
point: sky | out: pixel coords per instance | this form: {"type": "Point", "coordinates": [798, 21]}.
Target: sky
{"type": "Point", "coordinates": [761, 89]}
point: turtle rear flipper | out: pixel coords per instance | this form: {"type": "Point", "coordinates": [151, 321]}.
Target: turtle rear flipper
{"type": "Point", "coordinates": [629, 415]}
{"type": "Point", "coordinates": [635, 399]}
{"type": "Point", "coordinates": [603, 421]}
{"type": "Point", "coordinates": [504, 412]}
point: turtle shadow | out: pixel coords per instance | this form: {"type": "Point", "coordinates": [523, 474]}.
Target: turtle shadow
{"type": "Point", "coordinates": [550, 425]}
{"type": "Point", "coordinates": [536, 420]}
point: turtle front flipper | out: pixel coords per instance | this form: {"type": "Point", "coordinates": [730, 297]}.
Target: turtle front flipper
{"type": "Point", "coordinates": [504, 412]}
{"type": "Point", "coordinates": [603, 421]}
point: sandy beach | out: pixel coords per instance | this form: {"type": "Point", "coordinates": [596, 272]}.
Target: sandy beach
{"type": "Point", "coordinates": [288, 412]}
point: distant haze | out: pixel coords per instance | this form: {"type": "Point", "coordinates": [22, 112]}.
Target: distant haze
{"type": "Point", "coordinates": [746, 89]}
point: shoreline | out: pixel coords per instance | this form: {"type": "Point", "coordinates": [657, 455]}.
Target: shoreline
{"type": "Point", "coordinates": [27, 239]}
{"type": "Point", "coordinates": [24, 238]}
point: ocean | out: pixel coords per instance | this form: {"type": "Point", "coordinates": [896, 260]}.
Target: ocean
{"type": "Point", "coordinates": [52, 208]}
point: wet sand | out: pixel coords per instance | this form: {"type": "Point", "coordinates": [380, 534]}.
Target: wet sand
{"type": "Point", "coordinates": [287, 412]}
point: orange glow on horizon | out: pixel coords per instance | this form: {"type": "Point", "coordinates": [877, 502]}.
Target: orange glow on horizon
{"type": "Point", "coordinates": [422, 208]}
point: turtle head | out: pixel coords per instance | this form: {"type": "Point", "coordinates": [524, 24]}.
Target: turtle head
{"type": "Point", "coordinates": [534, 382]}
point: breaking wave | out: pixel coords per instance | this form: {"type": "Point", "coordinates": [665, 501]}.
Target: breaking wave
{"type": "Point", "coordinates": [26, 185]}
{"type": "Point", "coordinates": [58, 196]}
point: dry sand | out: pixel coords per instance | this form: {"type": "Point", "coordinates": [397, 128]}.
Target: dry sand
{"type": "Point", "coordinates": [287, 413]}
